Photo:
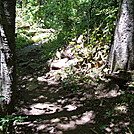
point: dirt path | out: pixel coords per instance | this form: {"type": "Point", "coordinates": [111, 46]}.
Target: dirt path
{"type": "Point", "coordinates": [53, 110]}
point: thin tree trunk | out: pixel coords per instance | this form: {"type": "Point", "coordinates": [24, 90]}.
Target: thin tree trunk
{"type": "Point", "coordinates": [7, 54]}
{"type": "Point", "coordinates": [121, 56]}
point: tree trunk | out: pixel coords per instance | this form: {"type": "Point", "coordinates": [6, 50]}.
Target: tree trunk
{"type": "Point", "coordinates": [7, 54]}
{"type": "Point", "coordinates": [121, 56]}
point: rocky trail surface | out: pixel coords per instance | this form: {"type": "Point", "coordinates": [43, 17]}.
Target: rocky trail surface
{"type": "Point", "coordinates": [51, 109]}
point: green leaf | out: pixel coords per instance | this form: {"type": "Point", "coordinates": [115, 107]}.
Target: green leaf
{"type": "Point", "coordinates": [102, 127]}
{"type": "Point", "coordinates": [2, 97]}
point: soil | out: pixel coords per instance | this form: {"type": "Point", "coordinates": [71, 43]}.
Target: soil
{"type": "Point", "coordinates": [52, 109]}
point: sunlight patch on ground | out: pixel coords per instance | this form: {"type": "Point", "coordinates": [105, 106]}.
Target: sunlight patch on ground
{"type": "Point", "coordinates": [69, 126]}
{"type": "Point", "coordinates": [57, 125]}
{"type": "Point", "coordinates": [86, 118]}
{"type": "Point", "coordinates": [121, 109]}
{"type": "Point", "coordinates": [105, 94]}
{"type": "Point", "coordinates": [117, 127]}
{"type": "Point", "coordinates": [70, 107]}
{"type": "Point", "coordinates": [43, 108]}
{"type": "Point", "coordinates": [47, 108]}
{"type": "Point", "coordinates": [40, 97]}
{"type": "Point", "coordinates": [49, 81]}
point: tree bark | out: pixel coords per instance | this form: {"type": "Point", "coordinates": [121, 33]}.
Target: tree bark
{"type": "Point", "coordinates": [121, 55]}
{"type": "Point", "coordinates": [7, 55]}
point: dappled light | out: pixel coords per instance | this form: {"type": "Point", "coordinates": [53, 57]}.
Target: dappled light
{"type": "Point", "coordinates": [51, 108]}
{"type": "Point", "coordinates": [66, 76]}
{"type": "Point", "coordinates": [40, 108]}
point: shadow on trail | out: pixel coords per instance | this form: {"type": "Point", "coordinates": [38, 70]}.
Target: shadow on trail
{"type": "Point", "coordinates": [51, 109]}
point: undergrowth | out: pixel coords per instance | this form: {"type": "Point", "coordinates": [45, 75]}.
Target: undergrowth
{"type": "Point", "coordinates": [8, 123]}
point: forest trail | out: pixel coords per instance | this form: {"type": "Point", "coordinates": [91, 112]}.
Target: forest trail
{"type": "Point", "coordinates": [51, 109]}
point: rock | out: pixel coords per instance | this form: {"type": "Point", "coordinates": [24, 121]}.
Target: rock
{"type": "Point", "coordinates": [72, 62]}
{"type": "Point", "coordinates": [68, 53]}
{"type": "Point", "coordinates": [63, 63]}
{"type": "Point", "coordinates": [58, 64]}
{"type": "Point", "coordinates": [58, 55]}
{"type": "Point", "coordinates": [80, 39]}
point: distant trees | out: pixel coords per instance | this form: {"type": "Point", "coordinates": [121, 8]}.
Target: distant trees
{"type": "Point", "coordinates": [7, 54]}
{"type": "Point", "coordinates": [121, 56]}
{"type": "Point", "coordinates": [71, 18]}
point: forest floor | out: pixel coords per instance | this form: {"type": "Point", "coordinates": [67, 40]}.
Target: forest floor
{"type": "Point", "coordinates": [51, 109]}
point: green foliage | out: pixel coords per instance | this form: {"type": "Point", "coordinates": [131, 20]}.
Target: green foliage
{"type": "Point", "coordinates": [2, 97]}
{"type": "Point", "coordinates": [22, 40]}
{"type": "Point", "coordinates": [7, 123]}
{"type": "Point", "coordinates": [49, 49]}
{"type": "Point", "coordinates": [102, 127]}
{"type": "Point", "coordinates": [94, 19]}
{"type": "Point", "coordinates": [71, 82]}
{"type": "Point", "coordinates": [131, 84]}
{"type": "Point", "coordinates": [78, 78]}
{"type": "Point", "coordinates": [26, 37]}
{"type": "Point", "coordinates": [71, 18]}
{"type": "Point", "coordinates": [130, 97]}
